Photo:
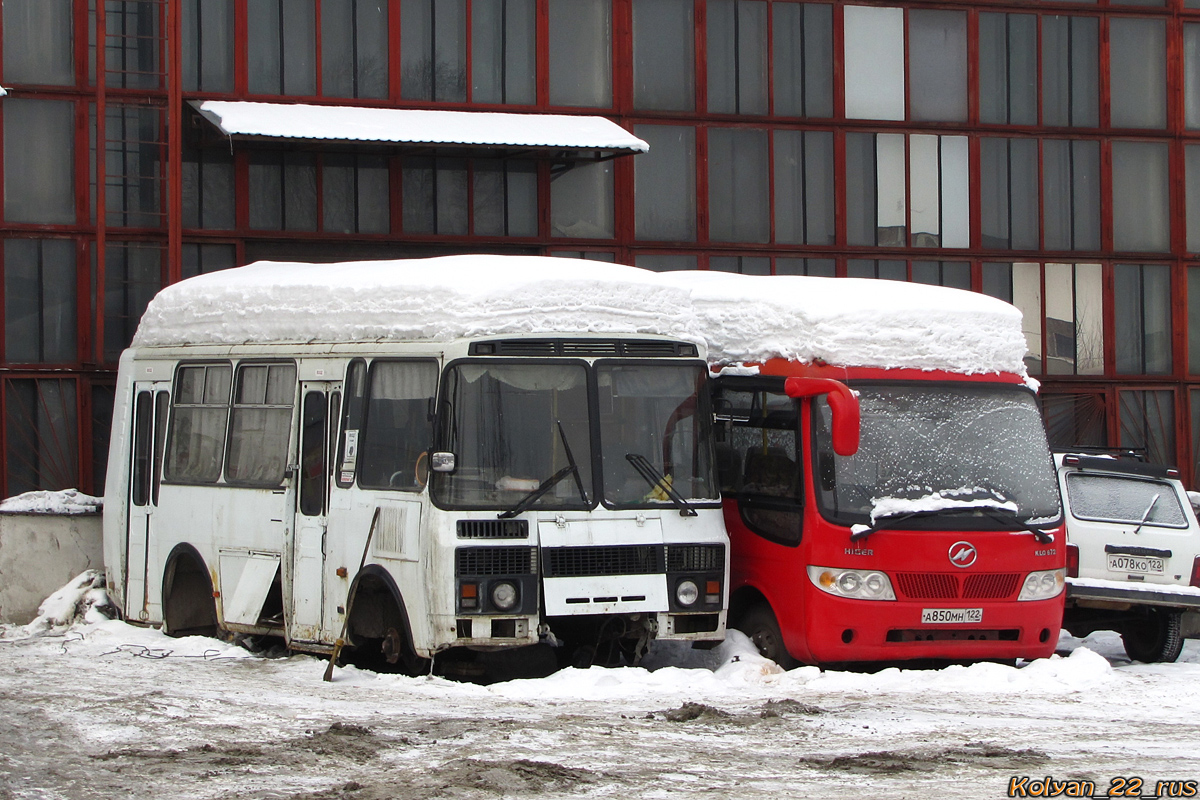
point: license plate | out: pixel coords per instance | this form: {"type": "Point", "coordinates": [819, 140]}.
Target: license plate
{"type": "Point", "coordinates": [1146, 565]}
{"type": "Point", "coordinates": [939, 616]}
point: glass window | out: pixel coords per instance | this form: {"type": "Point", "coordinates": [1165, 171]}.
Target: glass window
{"type": "Point", "coordinates": [39, 160]}
{"type": "Point", "coordinates": [581, 201]}
{"type": "Point", "coordinates": [281, 47]}
{"type": "Point", "coordinates": [738, 185]}
{"type": "Point", "coordinates": [283, 191]}
{"type": "Point", "coordinates": [664, 67]}
{"type": "Point", "coordinates": [41, 435]}
{"type": "Point", "coordinates": [505, 198]}
{"type": "Point", "coordinates": [1148, 424]}
{"type": "Point", "coordinates": [1141, 197]}
{"type": "Point", "coordinates": [802, 53]}
{"type": "Point", "coordinates": [1142, 314]}
{"type": "Point", "coordinates": [208, 189]}
{"type": "Point", "coordinates": [1070, 66]}
{"type": "Point", "coordinates": [1009, 193]}
{"type": "Point", "coordinates": [355, 193]}
{"type": "Point", "coordinates": [876, 189]}
{"type": "Point", "coordinates": [354, 48]}
{"type": "Point", "coordinates": [880, 269]}
{"type": "Point", "coordinates": [196, 444]}
{"type": "Point", "coordinates": [39, 42]}
{"type": "Point", "coordinates": [261, 424]}
{"type": "Point", "coordinates": [820, 267]}
{"type": "Point", "coordinates": [744, 265]}
{"type": "Point", "coordinates": [1134, 501]}
{"type": "Point", "coordinates": [874, 59]}
{"type": "Point", "coordinates": [937, 62]}
{"type": "Point", "coordinates": [664, 262]}
{"type": "Point", "coordinates": [399, 425]}
{"type": "Point", "coordinates": [132, 276]}
{"type": "Point", "coordinates": [1077, 419]}
{"type": "Point", "coordinates": [1138, 72]}
{"type": "Point", "coordinates": [1074, 323]}
{"type": "Point", "coordinates": [939, 199]}
{"type": "Point", "coordinates": [504, 52]}
{"type": "Point", "coordinates": [1191, 76]}
{"type": "Point", "coordinates": [664, 182]}
{"type": "Point", "coordinates": [581, 53]}
{"type": "Point", "coordinates": [1021, 285]}
{"type": "Point", "coordinates": [1071, 194]}
{"type": "Point", "coordinates": [207, 45]}
{"type": "Point", "coordinates": [135, 166]}
{"type": "Point", "coordinates": [200, 259]}
{"type": "Point", "coordinates": [132, 57]}
{"type": "Point", "coordinates": [435, 196]}
{"type": "Point", "coordinates": [40, 310]}
{"type": "Point", "coordinates": [737, 56]}
{"type": "Point", "coordinates": [433, 50]}
{"type": "Point", "coordinates": [352, 422]}
{"type": "Point", "coordinates": [956, 274]}
{"type": "Point", "coordinates": [1193, 305]}
{"type": "Point", "coordinates": [1008, 69]}
{"type": "Point", "coordinates": [804, 205]}
{"type": "Point", "coordinates": [1191, 157]}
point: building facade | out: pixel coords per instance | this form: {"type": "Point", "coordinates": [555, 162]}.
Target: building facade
{"type": "Point", "coordinates": [1047, 153]}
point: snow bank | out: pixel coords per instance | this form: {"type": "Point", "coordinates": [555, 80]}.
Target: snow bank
{"type": "Point", "coordinates": [67, 501]}
{"type": "Point", "coordinates": [84, 599]}
{"type": "Point", "coordinates": [434, 299]}
{"type": "Point", "coordinates": [854, 321]}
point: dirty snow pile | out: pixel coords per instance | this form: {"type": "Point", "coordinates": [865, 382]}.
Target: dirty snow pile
{"type": "Point", "coordinates": [854, 321]}
{"type": "Point", "coordinates": [434, 299]}
{"type": "Point", "coordinates": [66, 501]}
{"type": "Point", "coordinates": [84, 600]}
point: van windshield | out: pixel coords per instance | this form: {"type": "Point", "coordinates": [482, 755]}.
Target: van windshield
{"type": "Point", "coordinates": [938, 447]}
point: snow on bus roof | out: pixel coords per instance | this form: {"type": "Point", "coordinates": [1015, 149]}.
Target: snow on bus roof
{"type": "Point", "coordinates": [854, 322]}
{"type": "Point", "coordinates": [432, 299]}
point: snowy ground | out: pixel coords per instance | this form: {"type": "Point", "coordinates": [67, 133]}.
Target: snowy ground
{"type": "Point", "coordinates": [101, 709]}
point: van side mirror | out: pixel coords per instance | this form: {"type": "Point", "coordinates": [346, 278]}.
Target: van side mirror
{"type": "Point", "coordinates": [842, 401]}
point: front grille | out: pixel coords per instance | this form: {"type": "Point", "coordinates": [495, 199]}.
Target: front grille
{"type": "Point", "coordinates": [483, 561]}
{"type": "Point", "coordinates": [596, 348]}
{"type": "Point", "coordinates": [695, 558]}
{"type": "Point", "coordinates": [493, 529]}
{"type": "Point", "coordinates": [954, 635]}
{"type": "Point", "coordinates": [590, 347]}
{"type": "Point", "coordinates": [927, 586]}
{"type": "Point", "coordinates": [649, 348]}
{"type": "Point", "coordinates": [991, 586]}
{"type": "Point", "coordinates": [575, 562]}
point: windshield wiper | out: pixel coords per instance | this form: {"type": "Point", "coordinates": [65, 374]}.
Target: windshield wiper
{"type": "Point", "coordinates": [548, 484]}
{"type": "Point", "coordinates": [1010, 517]}
{"type": "Point", "coordinates": [860, 532]}
{"type": "Point", "coordinates": [571, 463]}
{"type": "Point", "coordinates": [659, 481]}
{"type": "Point", "coordinates": [1149, 509]}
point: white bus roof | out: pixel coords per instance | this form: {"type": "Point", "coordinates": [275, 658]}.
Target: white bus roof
{"type": "Point", "coordinates": [854, 322]}
{"type": "Point", "coordinates": [433, 299]}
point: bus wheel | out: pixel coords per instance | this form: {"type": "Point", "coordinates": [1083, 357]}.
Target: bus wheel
{"type": "Point", "coordinates": [760, 625]}
{"type": "Point", "coordinates": [188, 605]}
{"type": "Point", "coordinates": [377, 633]}
{"type": "Point", "coordinates": [1155, 639]}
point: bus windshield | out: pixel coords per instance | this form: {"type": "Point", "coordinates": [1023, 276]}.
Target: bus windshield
{"type": "Point", "coordinates": [976, 452]}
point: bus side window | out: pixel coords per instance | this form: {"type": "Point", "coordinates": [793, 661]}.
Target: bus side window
{"type": "Point", "coordinates": [142, 422]}
{"type": "Point", "coordinates": [198, 417]}
{"type": "Point", "coordinates": [399, 430]}
{"type": "Point", "coordinates": [261, 424]}
{"type": "Point", "coordinates": [762, 444]}
{"type": "Point", "coordinates": [162, 401]}
{"type": "Point", "coordinates": [352, 418]}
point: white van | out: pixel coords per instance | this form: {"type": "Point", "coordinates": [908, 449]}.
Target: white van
{"type": "Point", "coordinates": [1133, 553]}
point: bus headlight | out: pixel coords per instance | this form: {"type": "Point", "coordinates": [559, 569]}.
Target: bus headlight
{"type": "Point", "coordinates": [1043, 585]}
{"type": "Point", "coordinates": [505, 595]}
{"type": "Point", "coordinates": [860, 584]}
{"type": "Point", "coordinates": [687, 592]}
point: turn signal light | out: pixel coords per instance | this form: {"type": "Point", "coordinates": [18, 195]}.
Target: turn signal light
{"type": "Point", "coordinates": [468, 595]}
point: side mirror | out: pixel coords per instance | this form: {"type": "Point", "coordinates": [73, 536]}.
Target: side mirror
{"type": "Point", "coordinates": [842, 401]}
{"type": "Point", "coordinates": [442, 462]}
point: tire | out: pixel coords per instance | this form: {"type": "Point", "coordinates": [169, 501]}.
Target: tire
{"type": "Point", "coordinates": [1156, 639]}
{"type": "Point", "coordinates": [188, 605]}
{"type": "Point", "coordinates": [760, 625]}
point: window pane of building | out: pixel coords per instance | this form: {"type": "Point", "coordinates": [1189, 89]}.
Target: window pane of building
{"type": "Point", "coordinates": [664, 184]}
{"type": "Point", "coordinates": [955, 274]}
{"type": "Point", "coordinates": [1192, 200]}
{"type": "Point", "coordinates": [664, 262]}
{"type": "Point", "coordinates": [1191, 75]}
{"type": "Point", "coordinates": [281, 47]}
{"type": "Point", "coordinates": [1148, 424]}
{"type": "Point", "coordinates": [882, 269]}
{"type": "Point", "coordinates": [40, 311]}
{"type": "Point", "coordinates": [135, 166]}
{"type": "Point", "coordinates": [506, 198]}
{"type": "Point", "coordinates": [1070, 66]}
{"type": "Point", "coordinates": [355, 193]}
{"type": "Point", "coordinates": [738, 199]}
{"type": "Point", "coordinates": [41, 428]}
{"type": "Point", "coordinates": [997, 281]}
{"type": "Point", "coordinates": [860, 188]}
{"type": "Point", "coordinates": [940, 200]}
{"type": "Point", "coordinates": [664, 68]}
{"type": "Point", "coordinates": [433, 50]}
{"type": "Point", "coordinates": [207, 51]}
{"type": "Point", "coordinates": [581, 53]}
{"type": "Point", "coordinates": [1193, 306]}
{"type": "Point", "coordinates": [804, 209]}
{"type": "Point", "coordinates": [38, 42]}
{"type": "Point", "coordinates": [937, 60]}
{"type": "Point", "coordinates": [201, 259]}
{"type": "Point", "coordinates": [1009, 191]}
{"type": "Point", "coordinates": [737, 56]}
{"type": "Point", "coordinates": [874, 59]}
{"type": "Point", "coordinates": [435, 196]}
{"type": "Point", "coordinates": [504, 52]}
{"type": "Point", "coordinates": [283, 191]}
{"type": "Point", "coordinates": [132, 46]}
{"type": "Point", "coordinates": [132, 276]}
{"type": "Point", "coordinates": [1074, 319]}
{"type": "Point", "coordinates": [743, 265]}
{"type": "Point", "coordinates": [1008, 69]}
{"type": "Point", "coordinates": [876, 189]}
{"type": "Point", "coordinates": [39, 160]}
{"type": "Point", "coordinates": [1138, 72]}
{"type": "Point", "coordinates": [1142, 314]}
{"type": "Point", "coordinates": [802, 52]}
{"type": "Point", "coordinates": [208, 189]}
{"type": "Point", "coordinates": [1141, 202]}
{"type": "Point", "coordinates": [581, 202]}
{"type": "Point", "coordinates": [1071, 194]}
{"type": "Point", "coordinates": [354, 48]}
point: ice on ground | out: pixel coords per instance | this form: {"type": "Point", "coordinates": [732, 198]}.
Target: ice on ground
{"type": "Point", "coordinates": [66, 501]}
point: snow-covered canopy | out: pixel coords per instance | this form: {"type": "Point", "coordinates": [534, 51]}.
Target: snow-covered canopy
{"type": "Point", "coordinates": [419, 126]}
{"type": "Point", "coordinates": [854, 322]}
{"type": "Point", "coordinates": [434, 299]}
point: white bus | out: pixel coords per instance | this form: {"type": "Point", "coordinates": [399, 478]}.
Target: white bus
{"type": "Point", "coordinates": [483, 451]}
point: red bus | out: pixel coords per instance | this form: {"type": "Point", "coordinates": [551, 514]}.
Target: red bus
{"type": "Point", "coordinates": [888, 514]}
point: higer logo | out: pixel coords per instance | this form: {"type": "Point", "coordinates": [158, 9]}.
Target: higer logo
{"type": "Point", "coordinates": [963, 554]}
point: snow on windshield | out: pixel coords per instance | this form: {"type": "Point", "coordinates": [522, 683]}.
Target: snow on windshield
{"type": "Point", "coordinates": [977, 497]}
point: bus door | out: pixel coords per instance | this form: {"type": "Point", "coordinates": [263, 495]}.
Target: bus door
{"type": "Point", "coordinates": [319, 411]}
{"type": "Point", "coordinates": [151, 399]}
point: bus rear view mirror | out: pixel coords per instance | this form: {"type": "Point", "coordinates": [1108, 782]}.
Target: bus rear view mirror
{"type": "Point", "coordinates": [441, 462]}
{"type": "Point", "coordinates": [842, 402]}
